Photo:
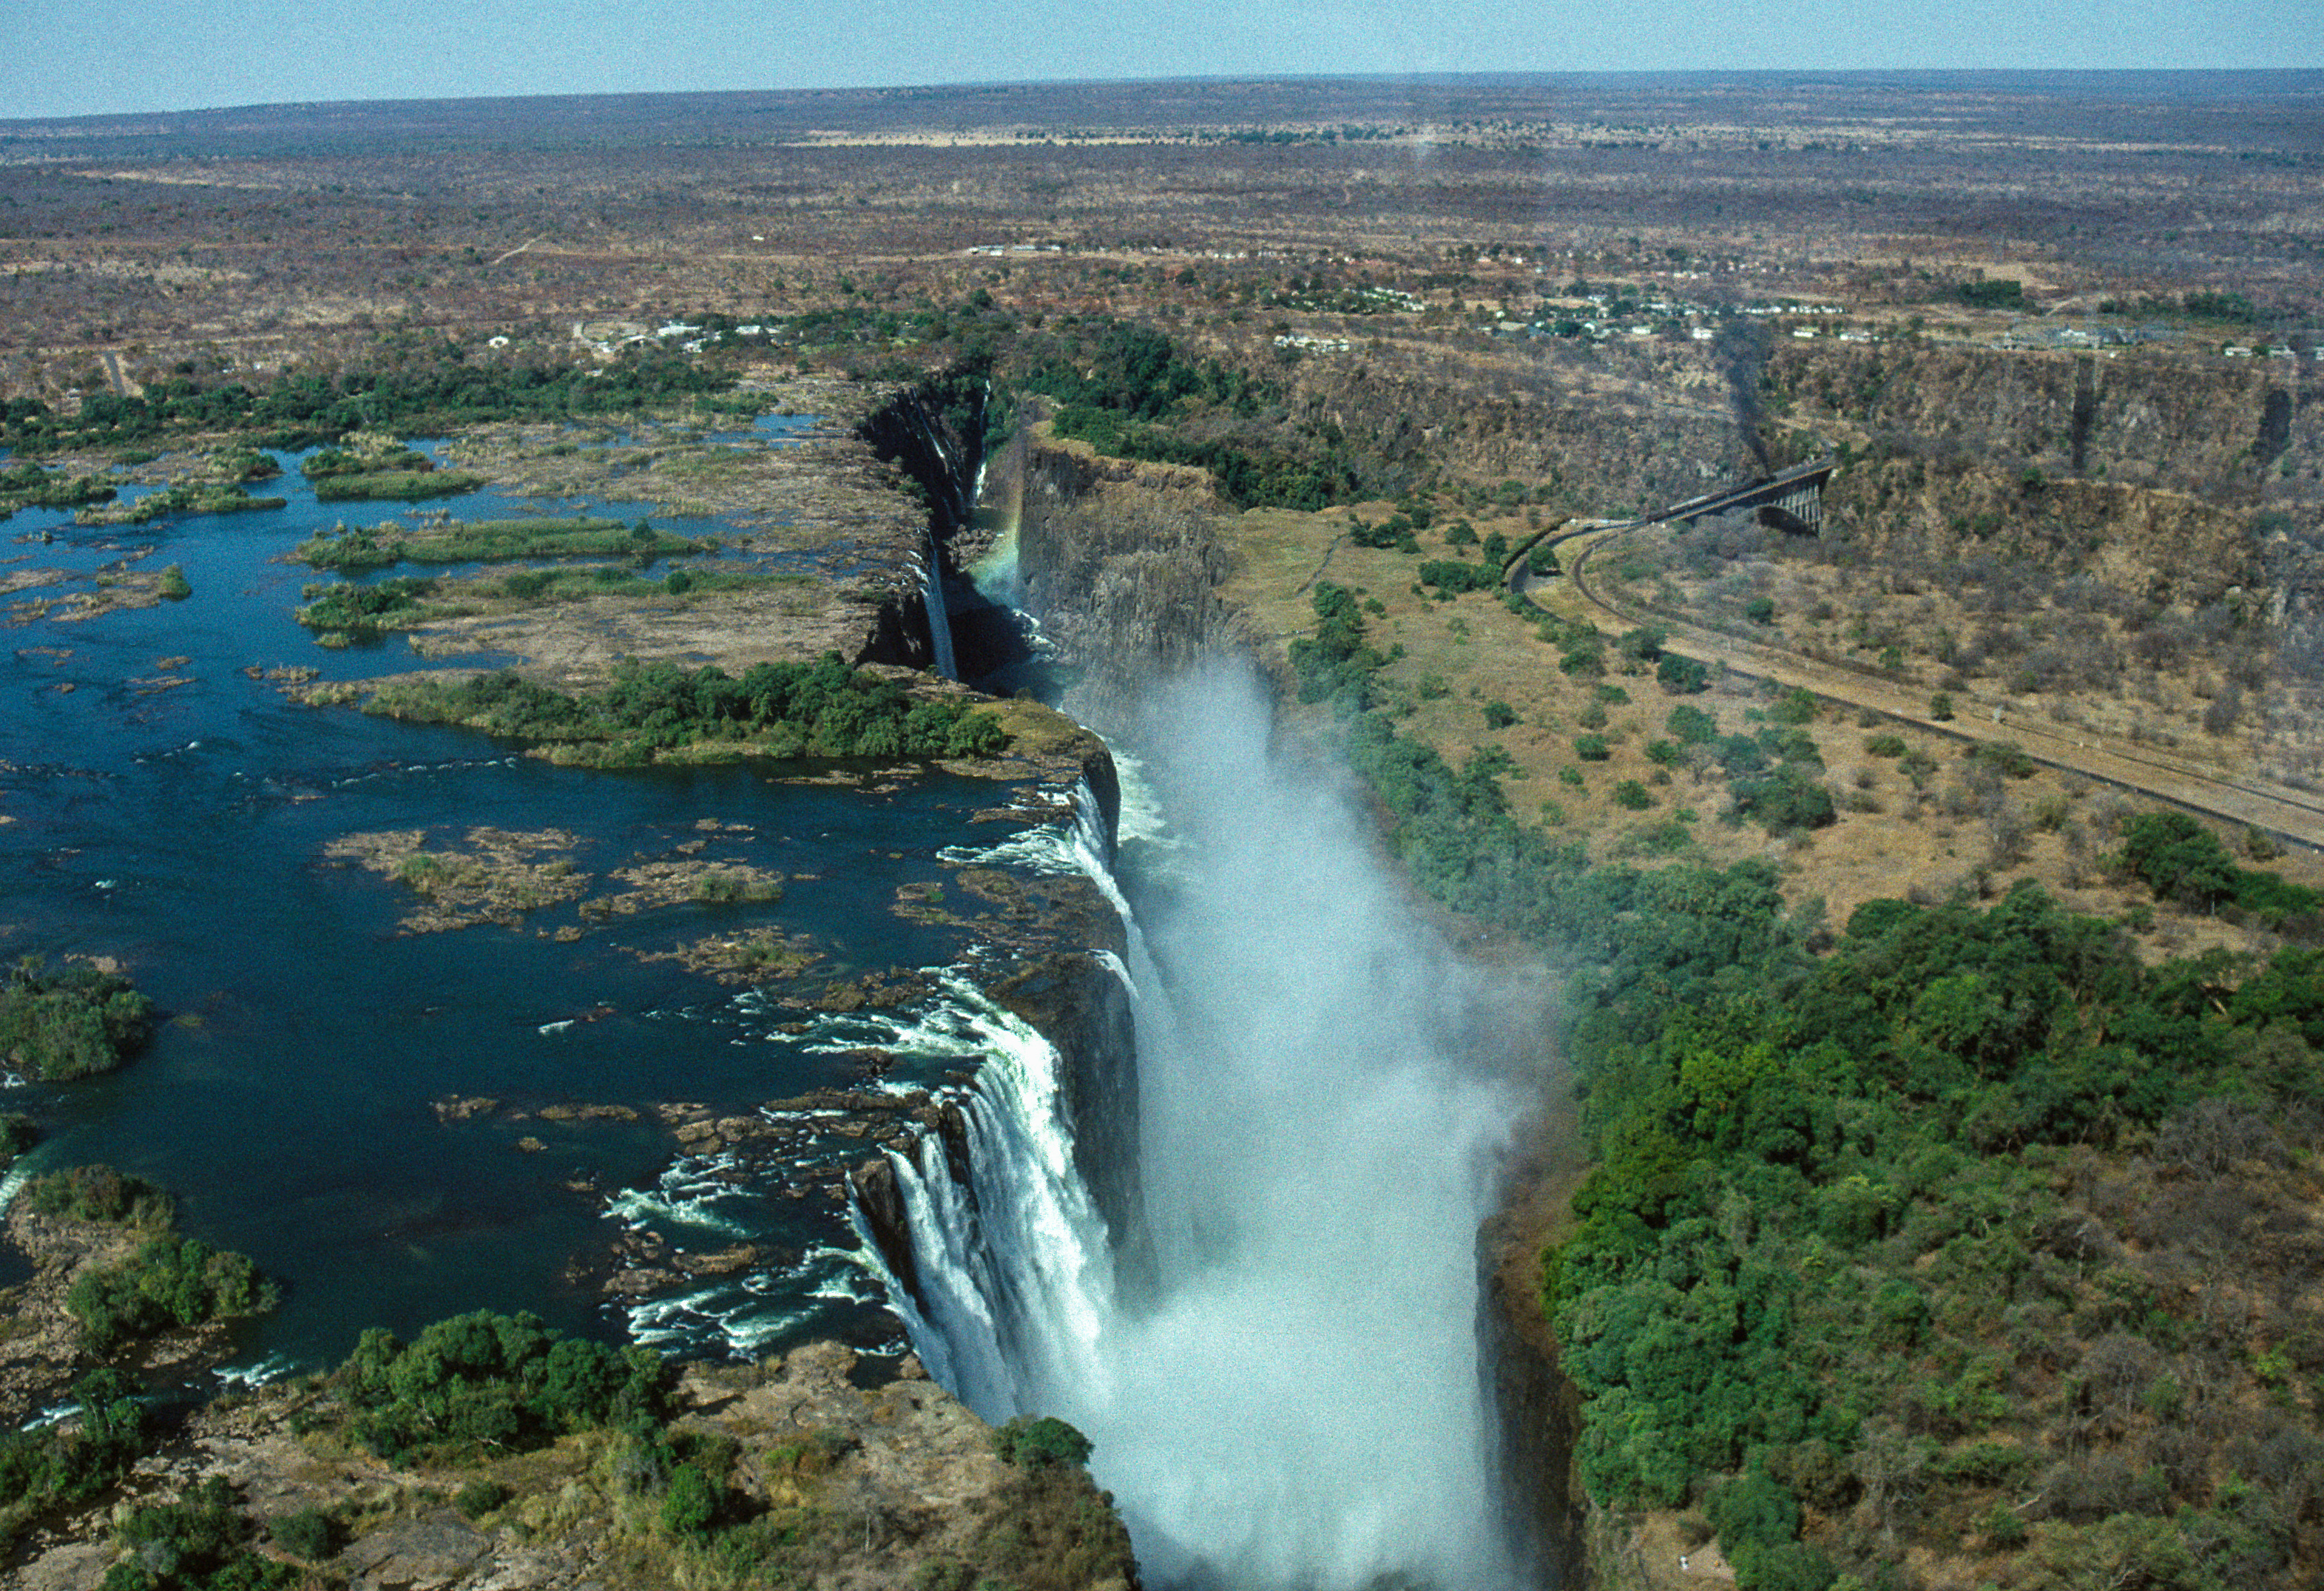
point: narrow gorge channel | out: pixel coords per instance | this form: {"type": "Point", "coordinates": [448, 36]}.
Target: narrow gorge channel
{"type": "Point", "coordinates": [1269, 1322]}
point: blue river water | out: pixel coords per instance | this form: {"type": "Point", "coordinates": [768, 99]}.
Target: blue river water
{"type": "Point", "coordinates": [167, 809]}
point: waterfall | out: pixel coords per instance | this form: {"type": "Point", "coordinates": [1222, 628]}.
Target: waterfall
{"type": "Point", "coordinates": [1295, 1400]}
{"type": "Point", "coordinates": [1015, 1272]}
{"type": "Point", "coordinates": [932, 597]}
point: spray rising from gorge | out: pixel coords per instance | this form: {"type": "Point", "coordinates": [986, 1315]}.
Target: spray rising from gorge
{"type": "Point", "coordinates": [1280, 1371]}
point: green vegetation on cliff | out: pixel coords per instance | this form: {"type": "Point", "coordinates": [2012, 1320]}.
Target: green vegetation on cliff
{"type": "Point", "coordinates": [483, 1383]}
{"type": "Point", "coordinates": [1961, 1231]}
{"type": "Point", "coordinates": [1890, 1240]}
{"type": "Point", "coordinates": [57, 1465]}
{"type": "Point", "coordinates": [819, 709]}
{"type": "Point", "coordinates": [70, 1022]}
{"type": "Point", "coordinates": [1127, 390]}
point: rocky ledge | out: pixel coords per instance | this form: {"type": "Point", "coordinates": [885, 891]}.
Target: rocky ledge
{"type": "Point", "coordinates": [849, 1489]}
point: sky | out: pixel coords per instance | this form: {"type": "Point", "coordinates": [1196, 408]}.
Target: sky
{"type": "Point", "coordinates": [65, 57]}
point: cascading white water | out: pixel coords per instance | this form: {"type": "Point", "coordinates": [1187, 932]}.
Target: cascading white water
{"type": "Point", "coordinates": [1298, 1402]}
{"type": "Point", "coordinates": [932, 597]}
{"type": "Point", "coordinates": [1014, 1286]}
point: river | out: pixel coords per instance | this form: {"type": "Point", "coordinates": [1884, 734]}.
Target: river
{"type": "Point", "coordinates": [167, 810]}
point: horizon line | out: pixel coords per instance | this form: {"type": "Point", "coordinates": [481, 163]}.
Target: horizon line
{"type": "Point", "coordinates": [1857, 73]}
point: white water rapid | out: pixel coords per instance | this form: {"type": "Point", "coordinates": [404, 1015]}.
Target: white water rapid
{"type": "Point", "coordinates": [1296, 1403]}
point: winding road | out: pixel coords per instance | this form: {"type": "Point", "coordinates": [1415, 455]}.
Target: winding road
{"type": "Point", "coordinates": [2291, 814]}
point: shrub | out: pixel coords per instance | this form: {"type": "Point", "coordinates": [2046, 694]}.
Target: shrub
{"type": "Point", "coordinates": [1794, 706]}
{"type": "Point", "coordinates": [99, 1193]}
{"type": "Point", "coordinates": [1592, 747]}
{"type": "Point", "coordinates": [484, 1380]}
{"type": "Point", "coordinates": [1682, 676]}
{"type": "Point", "coordinates": [1593, 716]}
{"type": "Point", "coordinates": [55, 1026]}
{"type": "Point", "coordinates": [480, 1497]}
{"type": "Point", "coordinates": [1788, 799]}
{"type": "Point", "coordinates": [1499, 715]}
{"type": "Point", "coordinates": [1570, 774]}
{"type": "Point", "coordinates": [18, 1133]}
{"type": "Point", "coordinates": [1452, 577]}
{"type": "Point", "coordinates": [1691, 726]}
{"type": "Point", "coordinates": [1632, 795]}
{"type": "Point", "coordinates": [1760, 609]}
{"type": "Point", "coordinates": [1753, 1510]}
{"type": "Point", "coordinates": [677, 583]}
{"type": "Point", "coordinates": [168, 1283]}
{"type": "Point", "coordinates": [691, 1503]}
{"type": "Point", "coordinates": [1046, 1443]}
{"type": "Point", "coordinates": [2177, 856]}
{"type": "Point", "coordinates": [1941, 706]}
{"type": "Point", "coordinates": [819, 709]}
{"type": "Point", "coordinates": [1885, 746]}
{"type": "Point", "coordinates": [2008, 756]}
{"type": "Point", "coordinates": [174, 585]}
{"type": "Point", "coordinates": [314, 1535]}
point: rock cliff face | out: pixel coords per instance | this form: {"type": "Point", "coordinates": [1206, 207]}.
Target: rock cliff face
{"type": "Point", "coordinates": [2170, 479]}
{"type": "Point", "coordinates": [1120, 565]}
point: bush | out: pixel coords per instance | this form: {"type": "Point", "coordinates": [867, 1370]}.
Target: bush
{"type": "Point", "coordinates": [1753, 1510]}
{"type": "Point", "coordinates": [1760, 609]}
{"type": "Point", "coordinates": [691, 1503]}
{"type": "Point", "coordinates": [1499, 715]}
{"type": "Point", "coordinates": [1691, 726]}
{"type": "Point", "coordinates": [1790, 798]}
{"type": "Point", "coordinates": [70, 1023]}
{"type": "Point", "coordinates": [1885, 746]}
{"type": "Point", "coordinates": [173, 585]}
{"type": "Point", "coordinates": [819, 709]}
{"type": "Point", "coordinates": [2008, 756]}
{"type": "Point", "coordinates": [1592, 747]}
{"type": "Point", "coordinates": [484, 1380]}
{"type": "Point", "coordinates": [2179, 859]}
{"type": "Point", "coordinates": [99, 1193]}
{"type": "Point", "coordinates": [1452, 577]}
{"type": "Point", "coordinates": [1044, 1443]}
{"type": "Point", "coordinates": [1940, 707]}
{"type": "Point", "coordinates": [1682, 676]}
{"type": "Point", "coordinates": [18, 1133]}
{"type": "Point", "coordinates": [312, 1535]}
{"type": "Point", "coordinates": [1632, 795]}
{"type": "Point", "coordinates": [1797, 705]}
{"type": "Point", "coordinates": [167, 1283]}
{"type": "Point", "coordinates": [480, 1497]}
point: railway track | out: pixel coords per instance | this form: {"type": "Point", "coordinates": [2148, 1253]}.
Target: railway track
{"type": "Point", "coordinates": [2291, 815]}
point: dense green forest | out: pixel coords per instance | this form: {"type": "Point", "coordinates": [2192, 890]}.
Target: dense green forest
{"type": "Point", "coordinates": [1128, 390]}
{"type": "Point", "coordinates": [433, 395]}
{"type": "Point", "coordinates": [819, 709]}
{"type": "Point", "coordinates": [1961, 1230]}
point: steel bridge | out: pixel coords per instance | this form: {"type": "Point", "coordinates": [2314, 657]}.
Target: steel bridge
{"type": "Point", "coordinates": [1791, 499]}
